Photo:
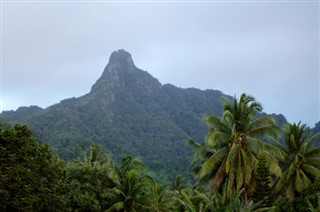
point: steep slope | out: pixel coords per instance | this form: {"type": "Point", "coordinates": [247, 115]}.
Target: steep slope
{"type": "Point", "coordinates": [127, 111]}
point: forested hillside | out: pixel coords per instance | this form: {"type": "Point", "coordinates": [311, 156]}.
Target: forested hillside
{"type": "Point", "coordinates": [247, 162]}
{"type": "Point", "coordinates": [128, 111]}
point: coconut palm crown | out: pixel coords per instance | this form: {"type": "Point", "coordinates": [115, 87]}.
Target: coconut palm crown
{"type": "Point", "coordinates": [233, 143]}
{"type": "Point", "coordinates": [302, 160]}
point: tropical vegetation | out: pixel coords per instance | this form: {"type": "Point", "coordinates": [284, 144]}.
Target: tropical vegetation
{"type": "Point", "coordinates": [247, 162]}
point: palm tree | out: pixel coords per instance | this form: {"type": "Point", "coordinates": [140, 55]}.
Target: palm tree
{"type": "Point", "coordinates": [94, 156]}
{"type": "Point", "coordinates": [181, 191]}
{"type": "Point", "coordinates": [132, 192]}
{"type": "Point", "coordinates": [302, 160]}
{"type": "Point", "coordinates": [91, 180]}
{"type": "Point", "coordinates": [180, 184]}
{"type": "Point", "coordinates": [163, 199]}
{"type": "Point", "coordinates": [233, 144]}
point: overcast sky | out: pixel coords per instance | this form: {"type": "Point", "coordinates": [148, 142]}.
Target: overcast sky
{"type": "Point", "coordinates": [56, 50]}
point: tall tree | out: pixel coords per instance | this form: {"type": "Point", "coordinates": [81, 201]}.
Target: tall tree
{"type": "Point", "coordinates": [302, 160]}
{"type": "Point", "coordinates": [133, 191]}
{"type": "Point", "coordinates": [163, 200]}
{"type": "Point", "coordinates": [30, 174]}
{"type": "Point", "coordinates": [90, 181]}
{"type": "Point", "coordinates": [182, 192]}
{"type": "Point", "coordinates": [233, 143]}
{"type": "Point", "coordinates": [263, 190]}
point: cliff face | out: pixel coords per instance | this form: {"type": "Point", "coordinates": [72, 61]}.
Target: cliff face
{"type": "Point", "coordinates": [122, 74]}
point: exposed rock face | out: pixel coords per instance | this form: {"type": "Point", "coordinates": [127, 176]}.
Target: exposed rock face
{"type": "Point", "coordinates": [121, 73]}
{"type": "Point", "coordinates": [120, 62]}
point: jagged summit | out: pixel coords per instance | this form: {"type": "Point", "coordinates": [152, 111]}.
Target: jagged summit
{"type": "Point", "coordinates": [121, 57]}
{"type": "Point", "coordinates": [120, 63]}
{"type": "Point", "coordinates": [121, 72]}
{"type": "Point", "coordinates": [120, 60]}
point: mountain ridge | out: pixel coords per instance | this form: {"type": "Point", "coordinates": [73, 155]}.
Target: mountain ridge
{"type": "Point", "coordinates": [127, 111]}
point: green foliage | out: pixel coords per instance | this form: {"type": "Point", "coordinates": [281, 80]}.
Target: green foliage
{"type": "Point", "coordinates": [90, 181]}
{"type": "Point", "coordinates": [262, 193]}
{"type": "Point", "coordinates": [127, 112]}
{"type": "Point", "coordinates": [302, 160]}
{"type": "Point", "coordinates": [316, 130]}
{"type": "Point", "coordinates": [163, 200]}
{"type": "Point", "coordinates": [297, 204]}
{"type": "Point", "coordinates": [234, 159]}
{"type": "Point", "coordinates": [308, 200]}
{"type": "Point", "coordinates": [233, 144]}
{"type": "Point", "coordinates": [221, 202]}
{"type": "Point", "coordinates": [182, 193]}
{"type": "Point", "coordinates": [134, 191]}
{"type": "Point", "coordinates": [30, 175]}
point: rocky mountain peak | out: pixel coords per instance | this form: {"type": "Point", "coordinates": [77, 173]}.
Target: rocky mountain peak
{"type": "Point", "coordinates": [120, 63]}
{"type": "Point", "coordinates": [121, 58]}
{"type": "Point", "coordinates": [121, 73]}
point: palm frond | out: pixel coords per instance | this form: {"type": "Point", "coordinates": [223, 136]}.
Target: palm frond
{"type": "Point", "coordinates": [241, 170]}
{"type": "Point", "coordinates": [220, 175]}
{"type": "Point", "coordinates": [311, 170]}
{"type": "Point", "coordinates": [227, 117]}
{"type": "Point", "coordinates": [305, 181]}
{"type": "Point", "coordinates": [226, 103]}
{"type": "Point", "coordinates": [273, 164]}
{"type": "Point", "coordinates": [201, 153]}
{"type": "Point", "coordinates": [262, 121]}
{"type": "Point", "coordinates": [313, 152]}
{"type": "Point", "coordinates": [280, 184]}
{"type": "Point", "coordinates": [274, 151]}
{"type": "Point", "coordinates": [304, 147]}
{"type": "Point", "coordinates": [212, 161]}
{"type": "Point", "coordinates": [217, 139]}
{"type": "Point", "coordinates": [186, 202]}
{"type": "Point", "coordinates": [282, 148]}
{"type": "Point", "coordinates": [253, 145]}
{"type": "Point", "coordinates": [116, 206]}
{"type": "Point", "coordinates": [315, 136]}
{"type": "Point", "coordinates": [216, 123]}
{"type": "Point", "coordinates": [313, 162]}
{"type": "Point", "coordinates": [193, 144]}
{"type": "Point", "coordinates": [299, 184]}
{"type": "Point", "coordinates": [263, 131]}
{"type": "Point", "coordinates": [231, 183]}
{"type": "Point", "coordinates": [248, 164]}
{"type": "Point", "coordinates": [289, 192]}
{"type": "Point", "coordinates": [285, 179]}
{"type": "Point", "coordinates": [233, 153]}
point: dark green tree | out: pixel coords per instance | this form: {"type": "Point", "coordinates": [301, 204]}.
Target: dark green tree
{"type": "Point", "coordinates": [30, 174]}
{"type": "Point", "coordinates": [263, 190]}
{"type": "Point", "coordinates": [133, 190]}
{"type": "Point", "coordinates": [90, 181]}
{"type": "Point", "coordinates": [302, 160]}
{"type": "Point", "coordinates": [182, 193]}
{"type": "Point", "coordinates": [163, 200]}
{"type": "Point", "coordinates": [233, 143]}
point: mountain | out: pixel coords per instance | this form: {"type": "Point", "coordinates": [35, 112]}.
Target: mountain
{"type": "Point", "coordinates": [127, 111]}
{"type": "Point", "coordinates": [316, 130]}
